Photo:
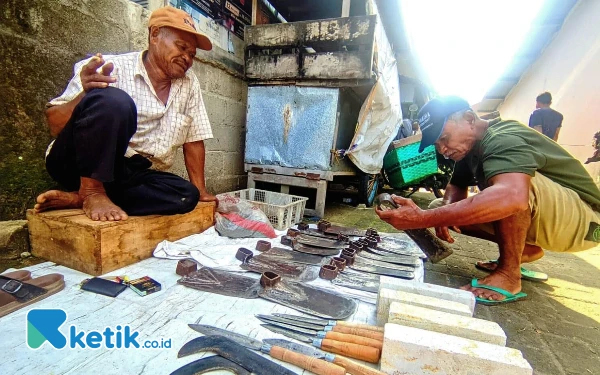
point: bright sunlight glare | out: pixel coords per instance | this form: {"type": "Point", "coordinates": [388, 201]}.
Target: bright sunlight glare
{"type": "Point", "coordinates": [464, 46]}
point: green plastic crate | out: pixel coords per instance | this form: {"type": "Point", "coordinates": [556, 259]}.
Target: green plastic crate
{"type": "Point", "coordinates": [404, 165]}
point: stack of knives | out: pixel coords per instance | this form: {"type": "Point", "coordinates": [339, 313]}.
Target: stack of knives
{"type": "Point", "coordinates": [359, 341]}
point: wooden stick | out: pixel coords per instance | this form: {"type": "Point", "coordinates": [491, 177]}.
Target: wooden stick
{"type": "Point", "coordinates": [358, 332]}
{"type": "Point", "coordinates": [353, 339]}
{"type": "Point", "coordinates": [360, 325]}
{"type": "Point", "coordinates": [311, 364]}
{"type": "Point", "coordinates": [364, 353]}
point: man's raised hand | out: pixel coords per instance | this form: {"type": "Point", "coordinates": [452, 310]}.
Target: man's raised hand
{"type": "Point", "coordinates": [91, 78]}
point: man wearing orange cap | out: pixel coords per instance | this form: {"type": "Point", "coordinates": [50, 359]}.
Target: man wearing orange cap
{"type": "Point", "coordinates": [119, 123]}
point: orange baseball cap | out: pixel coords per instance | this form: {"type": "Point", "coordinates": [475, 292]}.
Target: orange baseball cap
{"type": "Point", "coordinates": [178, 19]}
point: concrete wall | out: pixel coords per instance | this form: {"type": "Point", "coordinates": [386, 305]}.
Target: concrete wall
{"type": "Point", "coordinates": [570, 69]}
{"type": "Point", "coordinates": [40, 40]}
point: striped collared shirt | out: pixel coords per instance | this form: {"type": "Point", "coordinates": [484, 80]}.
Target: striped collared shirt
{"type": "Point", "coordinates": [161, 129]}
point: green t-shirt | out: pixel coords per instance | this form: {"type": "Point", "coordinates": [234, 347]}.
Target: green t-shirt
{"type": "Point", "coordinates": [509, 147]}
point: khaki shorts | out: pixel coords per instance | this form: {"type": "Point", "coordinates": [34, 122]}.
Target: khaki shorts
{"type": "Point", "coordinates": [560, 220]}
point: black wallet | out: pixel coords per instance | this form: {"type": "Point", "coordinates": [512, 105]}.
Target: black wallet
{"type": "Point", "coordinates": [103, 286]}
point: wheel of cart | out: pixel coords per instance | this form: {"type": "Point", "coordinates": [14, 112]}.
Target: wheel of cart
{"type": "Point", "coordinates": [369, 186]}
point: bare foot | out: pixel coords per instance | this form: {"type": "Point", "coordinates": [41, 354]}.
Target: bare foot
{"type": "Point", "coordinates": [98, 206]}
{"type": "Point", "coordinates": [530, 254]}
{"type": "Point", "coordinates": [498, 279]}
{"type": "Point", "coordinates": [56, 199]}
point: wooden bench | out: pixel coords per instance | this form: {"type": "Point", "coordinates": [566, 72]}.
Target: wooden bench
{"type": "Point", "coordinates": [69, 238]}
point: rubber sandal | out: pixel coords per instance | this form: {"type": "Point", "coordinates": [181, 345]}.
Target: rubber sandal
{"type": "Point", "coordinates": [15, 294]}
{"type": "Point", "coordinates": [509, 297]}
{"type": "Point", "coordinates": [525, 273]}
{"type": "Point", "coordinates": [21, 275]}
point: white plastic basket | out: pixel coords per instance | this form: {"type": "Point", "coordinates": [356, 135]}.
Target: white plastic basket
{"type": "Point", "coordinates": [283, 210]}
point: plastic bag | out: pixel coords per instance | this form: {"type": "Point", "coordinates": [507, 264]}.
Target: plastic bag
{"type": "Point", "coordinates": [238, 218]}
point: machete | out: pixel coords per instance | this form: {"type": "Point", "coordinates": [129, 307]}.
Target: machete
{"type": "Point", "coordinates": [234, 352]}
{"type": "Point", "coordinates": [317, 366]}
{"type": "Point", "coordinates": [210, 364]}
{"type": "Point", "coordinates": [396, 259]}
{"type": "Point", "coordinates": [384, 264]}
{"type": "Point", "coordinates": [360, 266]}
{"type": "Point", "coordinates": [351, 367]}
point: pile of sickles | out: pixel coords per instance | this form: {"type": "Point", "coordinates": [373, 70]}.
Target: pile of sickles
{"type": "Point", "coordinates": [331, 343]}
{"type": "Point", "coordinates": [355, 264]}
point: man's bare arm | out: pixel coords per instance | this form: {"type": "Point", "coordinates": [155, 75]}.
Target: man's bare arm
{"type": "Point", "coordinates": [538, 128]}
{"type": "Point", "coordinates": [452, 194]}
{"type": "Point", "coordinates": [194, 155]}
{"type": "Point", "coordinates": [57, 116]}
{"type": "Point", "coordinates": [507, 195]}
{"type": "Point", "coordinates": [555, 138]}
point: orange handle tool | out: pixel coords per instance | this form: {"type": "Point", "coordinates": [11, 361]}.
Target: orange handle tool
{"type": "Point", "coordinates": [311, 364]}
{"type": "Point", "coordinates": [353, 339]}
{"type": "Point", "coordinates": [361, 352]}
{"type": "Point", "coordinates": [357, 331]}
{"type": "Point", "coordinates": [359, 325]}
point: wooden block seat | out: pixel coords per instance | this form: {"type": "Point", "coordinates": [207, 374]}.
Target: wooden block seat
{"type": "Point", "coordinates": [69, 238]}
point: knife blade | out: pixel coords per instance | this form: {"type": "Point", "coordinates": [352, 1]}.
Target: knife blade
{"type": "Point", "coordinates": [337, 336]}
{"type": "Point", "coordinates": [328, 322]}
{"type": "Point", "coordinates": [317, 366]}
{"type": "Point", "coordinates": [295, 325]}
{"type": "Point", "coordinates": [358, 329]}
{"type": "Point", "coordinates": [246, 341]}
{"type": "Point", "coordinates": [351, 367]}
{"type": "Point", "coordinates": [362, 352]}
{"type": "Point", "coordinates": [290, 334]}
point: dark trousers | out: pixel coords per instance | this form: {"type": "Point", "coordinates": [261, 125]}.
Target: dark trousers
{"type": "Point", "coordinates": [93, 144]}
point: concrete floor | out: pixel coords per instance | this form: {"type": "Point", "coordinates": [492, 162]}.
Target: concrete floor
{"type": "Point", "coordinates": [557, 328]}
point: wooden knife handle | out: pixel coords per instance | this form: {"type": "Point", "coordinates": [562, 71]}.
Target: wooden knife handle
{"type": "Point", "coordinates": [355, 368]}
{"type": "Point", "coordinates": [359, 325]}
{"type": "Point", "coordinates": [360, 340]}
{"type": "Point", "coordinates": [311, 364]}
{"type": "Point", "coordinates": [358, 332]}
{"type": "Point", "coordinates": [361, 352]}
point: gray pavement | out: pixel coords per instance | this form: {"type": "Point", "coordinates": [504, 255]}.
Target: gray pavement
{"type": "Point", "coordinates": [557, 328]}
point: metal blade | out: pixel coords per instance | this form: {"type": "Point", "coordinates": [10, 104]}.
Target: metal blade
{"type": "Point", "coordinates": [297, 323]}
{"type": "Point", "coordinates": [298, 348]}
{"type": "Point", "coordinates": [210, 364]}
{"type": "Point", "coordinates": [246, 341]}
{"type": "Point", "coordinates": [305, 331]}
{"type": "Point", "coordinates": [302, 319]}
{"type": "Point", "coordinates": [377, 263]}
{"type": "Point", "coordinates": [290, 334]}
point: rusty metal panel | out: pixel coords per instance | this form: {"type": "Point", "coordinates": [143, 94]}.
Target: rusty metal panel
{"type": "Point", "coordinates": [331, 49]}
{"type": "Point", "coordinates": [273, 66]}
{"type": "Point", "coordinates": [342, 31]}
{"type": "Point", "coordinates": [291, 126]}
{"type": "Point", "coordinates": [337, 65]}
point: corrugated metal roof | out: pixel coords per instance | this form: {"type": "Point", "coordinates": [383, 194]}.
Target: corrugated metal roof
{"type": "Point", "coordinates": [548, 22]}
